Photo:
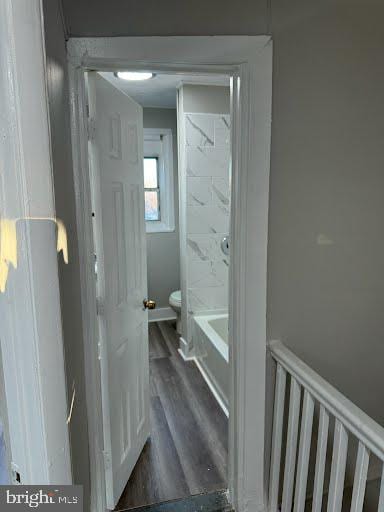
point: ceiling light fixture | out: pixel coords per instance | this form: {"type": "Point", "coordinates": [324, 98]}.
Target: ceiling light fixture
{"type": "Point", "coordinates": [134, 76]}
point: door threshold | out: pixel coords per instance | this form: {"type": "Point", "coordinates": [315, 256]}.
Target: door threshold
{"type": "Point", "coordinates": [216, 501]}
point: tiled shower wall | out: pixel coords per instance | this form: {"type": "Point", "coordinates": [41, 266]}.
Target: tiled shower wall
{"type": "Point", "coordinates": [208, 205]}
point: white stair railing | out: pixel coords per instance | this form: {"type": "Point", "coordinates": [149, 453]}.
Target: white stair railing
{"type": "Point", "coordinates": [349, 420]}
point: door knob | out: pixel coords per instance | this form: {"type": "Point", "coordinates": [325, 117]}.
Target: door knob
{"type": "Point", "coordinates": [149, 304]}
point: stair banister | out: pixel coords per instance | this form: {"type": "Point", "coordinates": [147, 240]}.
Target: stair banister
{"type": "Point", "coordinates": [349, 420]}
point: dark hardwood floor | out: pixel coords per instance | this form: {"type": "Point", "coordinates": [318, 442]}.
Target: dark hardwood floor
{"type": "Point", "coordinates": [187, 451]}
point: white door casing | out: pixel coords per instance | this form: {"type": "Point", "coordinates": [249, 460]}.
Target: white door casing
{"type": "Point", "coordinates": [116, 150]}
{"type": "Point", "coordinates": [248, 59]}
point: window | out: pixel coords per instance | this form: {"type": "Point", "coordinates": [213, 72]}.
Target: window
{"type": "Point", "coordinates": [151, 188]}
{"type": "Point", "coordinates": [158, 180]}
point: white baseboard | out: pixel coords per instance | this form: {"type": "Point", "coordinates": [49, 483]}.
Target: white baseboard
{"type": "Point", "coordinates": [184, 350]}
{"type": "Point", "coordinates": [161, 314]}
{"type": "Point", "coordinates": [191, 358]}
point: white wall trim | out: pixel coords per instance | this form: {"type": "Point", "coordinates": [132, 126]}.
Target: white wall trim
{"type": "Point", "coordinates": [181, 353]}
{"type": "Point", "coordinates": [182, 183]}
{"type": "Point", "coordinates": [30, 312]}
{"type": "Point", "coordinates": [249, 60]}
{"type": "Point", "coordinates": [161, 314]}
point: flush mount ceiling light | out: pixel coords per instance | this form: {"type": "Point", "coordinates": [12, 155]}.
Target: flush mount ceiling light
{"type": "Point", "coordinates": [134, 76]}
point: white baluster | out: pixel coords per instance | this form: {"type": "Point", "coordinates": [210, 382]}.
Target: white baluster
{"type": "Point", "coordinates": [380, 508]}
{"type": "Point", "coordinates": [290, 454]}
{"type": "Point", "coordinates": [360, 479]}
{"type": "Point", "coordinates": [321, 454]}
{"type": "Point", "coordinates": [339, 459]}
{"type": "Point", "coordinates": [304, 449]}
{"type": "Point", "coordinates": [278, 416]}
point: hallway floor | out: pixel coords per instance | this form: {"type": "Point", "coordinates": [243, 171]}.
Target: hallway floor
{"type": "Point", "coordinates": [187, 452]}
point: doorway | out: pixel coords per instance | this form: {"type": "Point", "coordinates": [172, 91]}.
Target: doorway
{"type": "Point", "coordinates": [164, 390]}
{"type": "Point", "coordinates": [239, 57]}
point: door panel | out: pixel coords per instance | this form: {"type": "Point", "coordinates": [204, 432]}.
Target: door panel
{"type": "Point", "coordinates": [118, 196]}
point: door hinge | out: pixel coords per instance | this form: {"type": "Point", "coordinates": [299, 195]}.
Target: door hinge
{"type": "Point", "coordinates": [99, 306]}
{"type": "Point", "coordinates": [107, 460]}
{"type": "Point", "coordinates": [91, 127]}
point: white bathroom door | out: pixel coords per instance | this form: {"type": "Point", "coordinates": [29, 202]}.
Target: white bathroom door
{"type": "Point", "coordinates": [116, 151]}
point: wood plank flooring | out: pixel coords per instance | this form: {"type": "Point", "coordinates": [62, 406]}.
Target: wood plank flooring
{"type": "Point", "coordinates": [187, 451]}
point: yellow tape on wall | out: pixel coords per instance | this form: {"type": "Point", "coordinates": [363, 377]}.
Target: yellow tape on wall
{"type": "Point", "coordinates": [8, 244]}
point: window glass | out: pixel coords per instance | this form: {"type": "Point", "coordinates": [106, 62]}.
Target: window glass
{"type": "Point", "coordinates": [158, 198]}
{"type": "Point", "coordinates": [151, 189]}
{"type": "Point", "coordinates": [150, 173]}
{"type": "Point", "coordinates": [152, 210]}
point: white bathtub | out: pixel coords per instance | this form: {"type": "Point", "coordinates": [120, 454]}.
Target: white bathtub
{"type": "Point", "coordinates": [212, 354]}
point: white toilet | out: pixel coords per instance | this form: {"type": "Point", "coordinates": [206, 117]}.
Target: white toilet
{"type": "Point", "coordinates": [175, 303]}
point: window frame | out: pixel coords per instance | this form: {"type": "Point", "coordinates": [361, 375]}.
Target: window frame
{"type": "Point", "coordinates": [158, 144]}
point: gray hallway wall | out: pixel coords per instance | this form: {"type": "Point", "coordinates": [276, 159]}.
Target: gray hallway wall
{"type": "Point", "coordinates": [97, 18]}
{"type": "Point", "coordinates": [324, 300]}
{"type": "Point", "coordinates": [69, 275]}
{"type": "Point", "coordinates": [326, 247]}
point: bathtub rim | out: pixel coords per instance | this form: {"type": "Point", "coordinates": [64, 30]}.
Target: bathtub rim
{"type": "Point", "coordinates": [221, 345]}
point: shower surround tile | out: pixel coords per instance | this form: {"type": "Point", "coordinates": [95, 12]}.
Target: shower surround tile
{"type": "Point", "coordinates": [207, 219]}
{"type": "Point", "coordinates": [199, 248]}
{"type": "Point", "coordinates": [222, 131]}
{"type": "Point", "coordinates": [206, 248]}
{"type": "Point", "coordinates": [199, 191]}
{"type": "Point", "coordinates": [207, 299]}
{"type": "Point", "coordinates": [221, 192]}
{"type": "Point", "coordinates": [206, 273]}
{"type": "Point", "coordinates": [199, 130]}
{"type": "Point", "coordinates": [199, 300]}
{"type": "Point", "coordinates": [220, 271]}
{"type": "Point", "coordinates": [208, 162]}
{"type": "Point", "coordinates": [207, 168]}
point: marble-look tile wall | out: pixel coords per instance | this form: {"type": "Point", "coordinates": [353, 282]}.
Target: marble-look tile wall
{"type": "Point", "coordinates": [208, 205]}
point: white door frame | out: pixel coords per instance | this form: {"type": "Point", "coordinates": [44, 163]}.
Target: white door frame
{"type": "Point", "coordinates": [30, 314]}
{"type": "Point", "coordinates": [249, 60]}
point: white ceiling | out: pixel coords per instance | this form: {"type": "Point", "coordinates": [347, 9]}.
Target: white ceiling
{"type": "Point", "coordinates": [160, 91]}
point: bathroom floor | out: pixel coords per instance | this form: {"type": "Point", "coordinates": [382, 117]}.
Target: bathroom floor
{"type": "Point", "coordinates": [187, 452]}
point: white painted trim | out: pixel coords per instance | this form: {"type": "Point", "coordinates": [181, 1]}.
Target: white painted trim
{"type": "Point", "coordinates": [219, 83]}
{"type": "Point", "coordinates": [358, 423]}
{"type": "Point", "coordinates": [182, 183]}
{"type": "Point", "coordinates": [249, 60]}
{"type": "Point", "coordinates": [30, 311]}
{"type": "Point", "coordinates": [184, 349]}
{"type": "Point", "coordinates": [211, 387]}
{"type": "Point", "coordinates": [183, 357]}
{"type": "Point", "coordinates": [161, 314]}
